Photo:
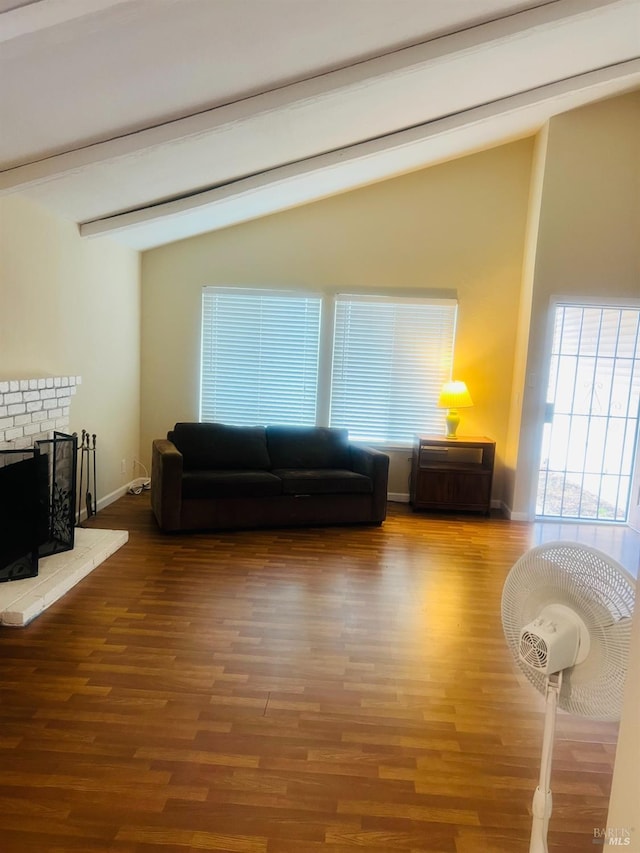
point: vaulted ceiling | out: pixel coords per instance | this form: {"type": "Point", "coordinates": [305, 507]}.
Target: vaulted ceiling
{"type": "Point", "coordinates": [153, 120]}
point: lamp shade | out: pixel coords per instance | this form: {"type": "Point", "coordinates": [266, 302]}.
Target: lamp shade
{"type": "Point", "coordinates": [455, 395]}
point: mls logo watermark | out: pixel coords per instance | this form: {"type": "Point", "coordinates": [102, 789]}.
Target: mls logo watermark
{"type": "Point", "coordinates": [612, 837]}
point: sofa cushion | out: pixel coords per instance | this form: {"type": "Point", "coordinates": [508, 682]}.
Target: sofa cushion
{"type": "Point", "coordinates": [221, 446]}
{"type": "Point", "coordinates": [308, 447]}
{"type": "Point", "coordinates": [230, 484]}
{"type": "Point", "coordinates": [322, 481]}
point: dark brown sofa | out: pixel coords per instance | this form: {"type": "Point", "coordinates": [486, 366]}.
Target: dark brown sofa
{"type": "Point", "coordinates": [215, 476]}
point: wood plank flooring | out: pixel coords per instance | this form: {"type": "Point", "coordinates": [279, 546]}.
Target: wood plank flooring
{"type": "Point", "coordinates": [338, 689]}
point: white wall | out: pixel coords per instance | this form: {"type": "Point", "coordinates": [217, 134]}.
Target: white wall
{"type": "Point", "coordinates": [72, 307]}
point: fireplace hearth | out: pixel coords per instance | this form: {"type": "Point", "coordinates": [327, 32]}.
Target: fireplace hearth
{"type": "Point", "coordinates": [37, 504]}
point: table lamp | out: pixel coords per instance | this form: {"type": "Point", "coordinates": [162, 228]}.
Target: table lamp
{"type": "Point", "coordinates": [454, 396]}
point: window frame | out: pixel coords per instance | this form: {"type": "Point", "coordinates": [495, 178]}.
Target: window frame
{"type": "Point", "coordinates": [329, 300]}
{"type": "Point", "coordinates": [250, 293]}
{"type": "Point", "coordinates": [356, 301]}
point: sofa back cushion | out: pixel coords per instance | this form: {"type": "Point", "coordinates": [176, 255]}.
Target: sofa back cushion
{"type": "Point", "coordinates": [308, 447]}
{"type": "Point", "coordinates": [211, 446]}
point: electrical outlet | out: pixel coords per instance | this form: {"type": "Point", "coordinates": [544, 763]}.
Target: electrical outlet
{"type": "Point", "coordinates": [123, 466]}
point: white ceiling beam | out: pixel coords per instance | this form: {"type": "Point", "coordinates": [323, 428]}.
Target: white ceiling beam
{"type": "Point", "coordinates": [362, 164]}
{"type": "Point", "coordinates": [443, 75]}
{"type": "Point", "coordinates": [42, 14]}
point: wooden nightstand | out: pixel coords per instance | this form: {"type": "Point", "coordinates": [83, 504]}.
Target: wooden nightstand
{"type": "Point", "coordinates": [452, 474]}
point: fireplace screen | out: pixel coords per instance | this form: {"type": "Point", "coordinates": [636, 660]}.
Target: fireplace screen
{"type": "Point", "coordinates": [37, 501]}
{"type": "Point", "coordinates": [61, 453]}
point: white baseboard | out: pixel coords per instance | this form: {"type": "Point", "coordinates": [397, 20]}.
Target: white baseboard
{"type": "Point", "coordinates": [512, 516]}
{"type": "Point", "coordinates": [113, 496]}
{"type": "Point", "coordinates": [394, 497]}
{"type": "Point", "coordinates": [106, 500]}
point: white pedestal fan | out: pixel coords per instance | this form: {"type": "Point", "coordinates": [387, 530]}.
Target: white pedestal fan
{"type": "Point", "coordinates": [566, 615]}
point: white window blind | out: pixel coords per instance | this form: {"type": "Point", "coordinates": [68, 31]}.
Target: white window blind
{"type": "Point", "coordinates": [390, 359]}
{"type": "Point", "coordinates": [259, 356]}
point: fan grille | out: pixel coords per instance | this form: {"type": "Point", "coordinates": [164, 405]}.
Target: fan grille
{"type": "Point", "coordinates": [602, 593]}
{"type": "Point", "coordinates": [533, 650]}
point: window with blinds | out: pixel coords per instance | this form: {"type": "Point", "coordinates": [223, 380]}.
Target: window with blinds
{"type": "Point", "coordinates": [377, 369]}
{"type": "Point", "coordinates": [390, 359]}
{"type": "Point", "coordinates": [259, 356]}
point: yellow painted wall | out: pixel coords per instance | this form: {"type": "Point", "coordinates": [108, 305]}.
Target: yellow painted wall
{"type": "Point", "coordinates": [587, 245]}
{"type": "Point", "coordinates": [458, 226]}
{"type": "Point", "coordinates": [72, 307]}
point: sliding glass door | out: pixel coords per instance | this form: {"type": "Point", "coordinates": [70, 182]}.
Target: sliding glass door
{"type": "Point", "coordinates": [590, 435]}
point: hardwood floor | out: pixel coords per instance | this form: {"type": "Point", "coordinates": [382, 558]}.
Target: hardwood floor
{"type": "Point", "coordinates": [287, 691]}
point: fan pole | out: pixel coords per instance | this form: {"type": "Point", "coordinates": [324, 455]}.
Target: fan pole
{"type": "Point", "coordinates": [542, 800]}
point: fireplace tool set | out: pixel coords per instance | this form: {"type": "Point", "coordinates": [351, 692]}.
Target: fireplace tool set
{"type": "Point", "coordinates": [87, 492]}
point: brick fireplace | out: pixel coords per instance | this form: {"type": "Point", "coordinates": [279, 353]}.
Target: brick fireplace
{"type": "Point", "coordinates": [31, 409]}
{"type": "Point", "coordinates": [37, 472]}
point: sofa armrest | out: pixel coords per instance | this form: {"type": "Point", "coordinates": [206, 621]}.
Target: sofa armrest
{"type": "Point", "coordinates": [374, 464]}
{"type": "Point", "coordinates": [166, 484]}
